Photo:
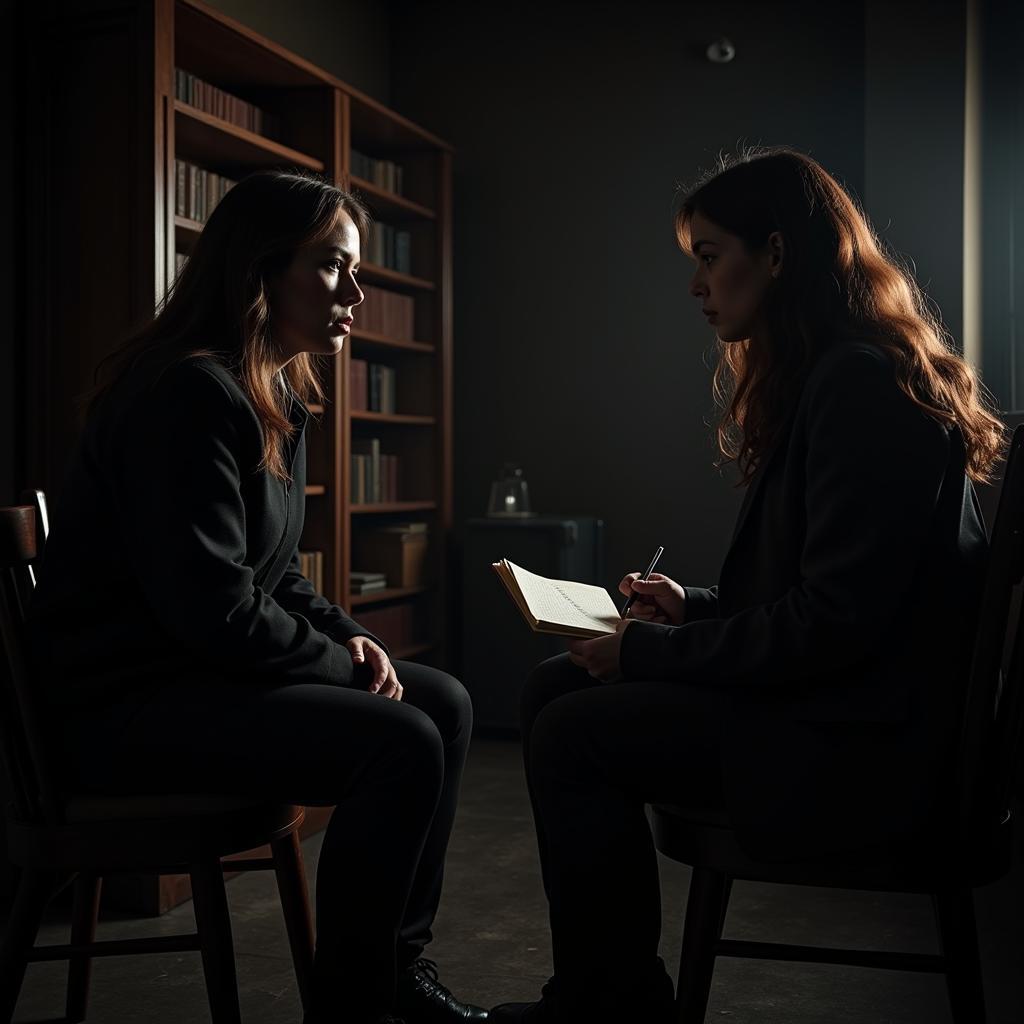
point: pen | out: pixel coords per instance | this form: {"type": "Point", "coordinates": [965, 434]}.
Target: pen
{"type": "Point", "coordinates": [650, 569]}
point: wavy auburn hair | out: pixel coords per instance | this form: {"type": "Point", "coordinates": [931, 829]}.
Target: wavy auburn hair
{"type": "Point", "coordinates": [837, 284]}
{"type": "Point", "coordinates": [219, 304]}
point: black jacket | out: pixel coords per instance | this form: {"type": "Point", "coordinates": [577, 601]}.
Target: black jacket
{"type": "Point", "coordinates": [843, 619]}
{"type": "Point", "coordinates": [171, 552]}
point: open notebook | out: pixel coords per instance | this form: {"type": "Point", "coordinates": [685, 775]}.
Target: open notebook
{"type": "Point", "coordinates": [558, 606]}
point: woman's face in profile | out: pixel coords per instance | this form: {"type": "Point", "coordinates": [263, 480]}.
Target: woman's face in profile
{"type": "Point", "coordinates": [730, 280]}
{"type": "Point", "coordinates": [311, 303]}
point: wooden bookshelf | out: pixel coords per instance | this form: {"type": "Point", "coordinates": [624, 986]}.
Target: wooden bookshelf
{"type": "Point", "coordinates": [108, 126]}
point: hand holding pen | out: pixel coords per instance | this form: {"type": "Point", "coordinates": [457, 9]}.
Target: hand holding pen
{"type": "Point", "coordinates": [657, 598]}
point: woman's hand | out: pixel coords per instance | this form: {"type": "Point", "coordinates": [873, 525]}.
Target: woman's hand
{"type": "Point", "coordinates": [600, 656]}
{"type": "Point", "coordinates": [658, 599]}
{"type": "Point", "coordinates": [384, 682]}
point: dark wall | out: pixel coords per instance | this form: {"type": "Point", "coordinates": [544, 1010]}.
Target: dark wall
{"type": "Point", "coordinates": [8, 325]}
{"type": "Point", "coordinates": [914, 147]}
{"type": "Point", "coordinates": [348, 38]}
{"type": "Point", "coordinates": [578, 350]}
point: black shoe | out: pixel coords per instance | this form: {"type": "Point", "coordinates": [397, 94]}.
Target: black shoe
{"type": "Point", "coordinates": [422, 999]}
{"type": "Point", "coordinates": [540, 1012]}
{"type": "Point", "coordinates": [521, 1013]}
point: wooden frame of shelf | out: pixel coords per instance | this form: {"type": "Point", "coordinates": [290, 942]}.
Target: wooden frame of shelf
{"type": "Point", "coordinates": [390, 203]}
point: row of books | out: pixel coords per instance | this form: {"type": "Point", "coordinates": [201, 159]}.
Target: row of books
{"type": "Point", "coordinates": [385, 174]}
{"type": "Point", "coordinates": [208, 98]}
{"type": "Point", "coordinates": [311, 565]}
{"type": "Point", "coordinates": [197, 191]}
{"type": "Point", "coordinates": [371, 386]}
{"type": "Point", "coordinates": [366, 582]}
{"type": "Point", "coordinates": [374, 473]}
{"type": "Point", "coordinates": [394, 624]}
{"type": "Point", "coordinates": [390, 247]}
{"type": "Point", "coordinates": [386, 312]}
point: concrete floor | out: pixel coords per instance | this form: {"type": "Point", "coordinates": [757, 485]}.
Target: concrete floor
{"type": "Point", "coordinates": [492, 942]}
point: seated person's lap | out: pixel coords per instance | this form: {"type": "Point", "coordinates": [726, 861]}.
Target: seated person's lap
{"type": "Point", "coordinates": [659, 739]}
{"type": "Point", "coordinates": [215, 735]}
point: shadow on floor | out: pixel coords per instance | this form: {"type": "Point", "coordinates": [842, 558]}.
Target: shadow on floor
{"type": "Point", "coordinates": [491, 939]}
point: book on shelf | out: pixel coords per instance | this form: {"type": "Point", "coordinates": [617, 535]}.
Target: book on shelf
{"type": "Point", "coordinates": [371, 387]}
{"type": "Point", "coordinates": [357, 385]}
{"type": "Point", "coordinates": [366, 582]}
{"type": "Point", "coordinates": [207, 97]}
{"type": "Point", "coordinates": [374, 473]}
{"type": "Point", "coordinates": [390, 247]}
{"type": "Point", "coordinates": [559, 607]}
{"type": "Point", "coordinates": [386, 312]}
{"type": "Point", "coordinates": [417, 527]}
{"type": "Point", "coordinates": [197, 190]}
{"type": "Point", "coordinates": [400, 550]}
{"type": "Point", "coordinates": [385, 174]}
{"type": "Point", "coordinates": [311, 565]}
{"type": "Point", "coordinates": [381, 388]}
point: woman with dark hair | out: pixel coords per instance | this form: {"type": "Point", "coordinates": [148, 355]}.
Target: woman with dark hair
{"type": "Point", "coordinates": [183, 650]}
{"type": "Point", "coordinates": [813, 694]}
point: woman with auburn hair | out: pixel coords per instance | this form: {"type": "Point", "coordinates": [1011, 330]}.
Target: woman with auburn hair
{"type": "Point", "coordinates": [813, 695]}
{"type": "Point", "coordinates": [183, 650]}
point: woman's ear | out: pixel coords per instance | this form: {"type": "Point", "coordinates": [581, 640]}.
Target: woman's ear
{"type": "Point", "coordinates": [776, 249]}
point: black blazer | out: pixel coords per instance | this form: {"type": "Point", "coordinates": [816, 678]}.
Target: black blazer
{"type": "Point", "coordinates": [843, 619]}
{"type": "Point", "coordinates": [172, 553]}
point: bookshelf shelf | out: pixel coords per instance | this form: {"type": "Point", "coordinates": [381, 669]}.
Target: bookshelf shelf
{"type": "Point", "coordinates": [390, 205]}
{"type": "Point", "coordinates": [315, 408]}
{"type": "Point", "coordinates": [315, 490]}
{"type": "Point", "coordinates": [394, 417]}
{"type": "Point", "coordinates": [385, 275]}
{"type": "Point", "coordinates": [202, 136]}
{"type": "Point", "coordinates": [372, 340]}
{"type": "Point", "coordinates": [389, 594]}
{"type": "Point", "coordinates": [394, 506]}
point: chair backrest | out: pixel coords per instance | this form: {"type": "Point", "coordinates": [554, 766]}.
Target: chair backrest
{"type": "Point", "coordinates": [30, 783]}
{"type": "Point", "coordinates": [37, 499]}
{"type": "Point", "coordinates": [994, 711]}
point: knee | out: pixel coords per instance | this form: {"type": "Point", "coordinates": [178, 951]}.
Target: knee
{"type": "Point", "coordinates": [446, 702]}
{"type": "Point", "coordinates": [551, 746]}
{"type": "Point", "coordinates": [415, 747]}
{"type": "Point", "coordinates": [549, 680]}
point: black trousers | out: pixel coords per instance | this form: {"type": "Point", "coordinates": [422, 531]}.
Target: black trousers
{"type": "Point", "coordinates": [392, 768]}
{"type": "Point", "coordinates": [595, 754]}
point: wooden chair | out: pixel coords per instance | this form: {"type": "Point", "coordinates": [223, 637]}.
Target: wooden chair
{"type": "Point", "coordinates": [54, 836]}
{"type": "Point", "coordinates": [977, 847]}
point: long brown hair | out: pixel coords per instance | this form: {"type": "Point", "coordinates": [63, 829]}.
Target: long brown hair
{"type": "Point", "coordinates": [219, 306]}
{"type": "Point", "coordinates": [837, 284]}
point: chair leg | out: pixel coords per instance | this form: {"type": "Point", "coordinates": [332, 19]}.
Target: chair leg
{"type": "Point", "coordinates": [958, 932]}
{"type": "Point", "coordinates": [83, 929]}
{"type": "Point", "coordinates": [34, 891]}
{"type": "Point", "coordinates": [705, 914]}
{"type": "Point", "coordinates": [213, 922]}
{"type": "Point", "coordinates": [291, 884]}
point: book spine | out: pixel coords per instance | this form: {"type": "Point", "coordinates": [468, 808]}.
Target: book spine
{"type": "Point", "coordinates": [403, 252]}
{"type": "Point", "coordinates": [356, 390]}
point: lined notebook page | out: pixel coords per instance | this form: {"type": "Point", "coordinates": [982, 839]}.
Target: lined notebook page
{"type": "Point", "coordinates": [566, 603]}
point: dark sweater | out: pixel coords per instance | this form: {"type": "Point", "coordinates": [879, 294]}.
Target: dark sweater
{"type": "Point", "coordinates": [843, 619]}
{"type": "Point", "coordinates": [173, 554]}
